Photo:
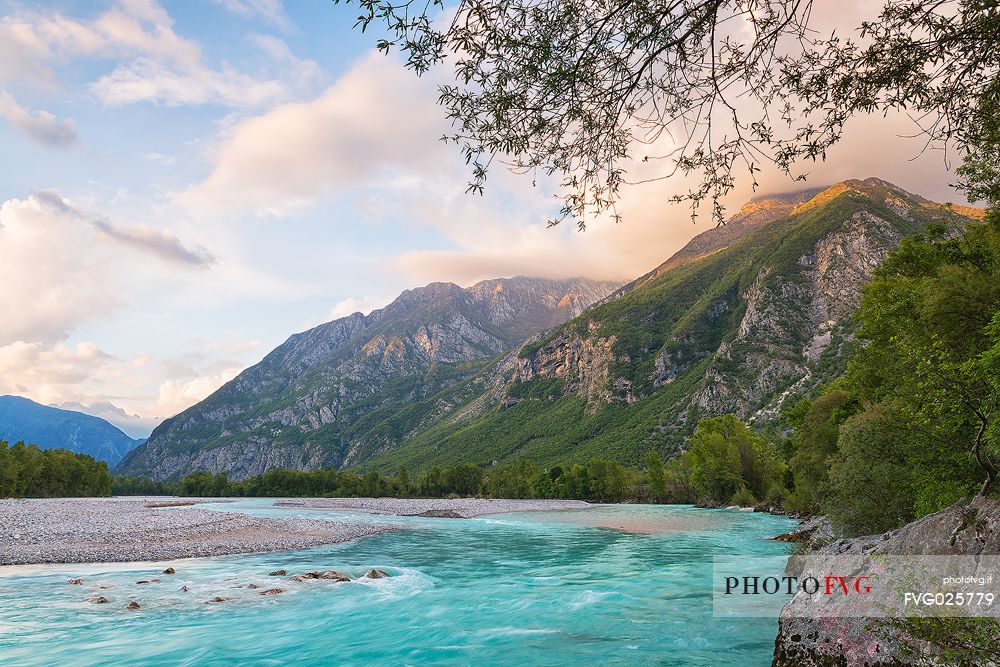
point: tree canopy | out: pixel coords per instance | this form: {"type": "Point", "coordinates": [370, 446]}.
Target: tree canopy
{"type": "Point", "coordinates": [583, 89]}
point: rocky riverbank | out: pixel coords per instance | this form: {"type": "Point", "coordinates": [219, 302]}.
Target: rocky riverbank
{"type": "Point", "coordinates": [956, 530]}
{"type": "Point", "coordinates": [451, 508]}
{"type": "Point", "coordinates": [88, 530]}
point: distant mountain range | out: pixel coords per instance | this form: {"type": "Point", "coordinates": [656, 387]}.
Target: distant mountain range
{"type": "Point", "coordinates": [741, 318]}
{"type": "Point", "coordinates": [50, 428]}
{"type": "Point", "coordinates": [133, 425]}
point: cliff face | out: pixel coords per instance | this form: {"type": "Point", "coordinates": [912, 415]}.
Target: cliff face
{"type": "Point", "coordinates": [741, 318]}
{"type": "Point", "coordinates": [783, 310]}
{"type": "Point", "coordinates": [955, 531]}
{"type": "Point", "coordinates": [319, 398]}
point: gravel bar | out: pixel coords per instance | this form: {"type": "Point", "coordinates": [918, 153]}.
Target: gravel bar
{"type": "Point", "coordinates": [457, 508]}
{"type": "Point", "coordinates": [94, 530]}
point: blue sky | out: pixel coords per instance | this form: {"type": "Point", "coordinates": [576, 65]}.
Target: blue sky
{"type": "Point", "coordinates": [185, 184]}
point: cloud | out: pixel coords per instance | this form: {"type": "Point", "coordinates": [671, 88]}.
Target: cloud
{"type": "Point", "coordinates": [49, 284]}
{"type": "Point", "coordinates": [160, 158]}
{"type": "Point", "coordinates": [147, 80]}
{"type": "Point", "coordinates": [155, 63]}
{"type": "Point", "coordinates": [269, 11]}
{"type": "Point", "coordinates": [62, 266]}
{"type": "Point", "coordinates": [177, 395]}
{"type": "Point", "coordinates": [83, 377]}
{"type": "Point", "coordinates": [48, 366]}
{"type": "Point", "coordinates": [372, 123]}
{"type": "Point", "coordinates": [31, 41]}
{"type": "Point", "coordinates": [40, 126]}
{"type": "Point", "coordinates": [159, 243]}
{"type": "Point", "coordinates": [351, 305]}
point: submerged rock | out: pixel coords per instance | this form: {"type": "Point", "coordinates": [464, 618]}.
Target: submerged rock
{"type": "Point", "coordinates": [253, 586]}
{"type": "Point", "coordinates": [376, 573]}
{"type": "Point", "coordinates": [170, 570]}
{"type": "Point", "coordinates": [272, 591]}
{"type": "Point", "coordinates": [442, 514]}
{"type": "Point", "coordinates": [133, 605]}
{"type": "Point", "coordinates": [277, 573]}
{"type": "Point", "coordinates": [100, 599]}
{"type": "Point", "coordinates": [74, 582]}
{"type": "Point", "coordinates": [218, 599]}
{"type": "Point", "coordinates": [332, 575]}
{"type": "Point", "coordinates": [148, 581]}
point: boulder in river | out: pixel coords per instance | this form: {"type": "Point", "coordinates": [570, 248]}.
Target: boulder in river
{"type": "Point", "coordinates": [376, 573]}
{"type": "Point", "coordinates": [74, 582]}
{"type": "Point", "coordinates": [170, 570]}
{"type": "Point", "coordinates": [218, 599]}
{"type": "Point", "coordinates": [148, 581]}
{"type": "Point", "coordinates": [272, 591]}
{"type": "Point", "coordinates": [184, 589]}
{"type": "Point", "coordinates": [100, 599]}
{"type": "Point", "coordinates": [253, 586]}
{"type": "Point", "coordinates": [277, 573]}
{"type": "Point", "coordinates": [442, 514]}
{"type": "Point", "coordinates": [332, 575]}
{"type": "Point", "coordinates": [133, 605]}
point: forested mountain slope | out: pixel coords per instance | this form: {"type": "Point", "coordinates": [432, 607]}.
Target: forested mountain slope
{"type": "Point", "coordinates": [735, 322]}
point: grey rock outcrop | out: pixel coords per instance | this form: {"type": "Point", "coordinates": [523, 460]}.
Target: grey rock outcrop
{"type": "Point", "coordinates": [959, 530]}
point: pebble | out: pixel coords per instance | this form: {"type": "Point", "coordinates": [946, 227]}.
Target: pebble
{"type": "Point", "coordinates": [93, 530]}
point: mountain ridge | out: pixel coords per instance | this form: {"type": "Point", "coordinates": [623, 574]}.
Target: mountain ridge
{"type": "Point", "coordinates": [296, 408]}
{"type": "Point", "coordinates": [50, 427]}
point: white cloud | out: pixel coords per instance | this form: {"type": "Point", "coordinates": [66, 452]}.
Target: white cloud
{"type": "Point", "coordinates": [269, 11]}
{"type": "Point", "coordinates": [49, 284]}
{"type": "Point", "coordinates": [62, 266]}
{"type": "Point", "coordinates": [351, 305]}
{"type": "Point", "coordinates": [160, 158]}
{"type": "Point", "coordinates": [83, 377]}
{"type": "Point", "coordinates": [147, 80]}
{"type": "Point", "coordinates": [39, 126]}
{"type": "Point", "coordinates": [373, 122]}
{"type": "Point", "coordinates": [32, 41]}
{"type": "Point", "coordinates": [155, 63]}
{"type": "Point", "coordinates": [177, 395]}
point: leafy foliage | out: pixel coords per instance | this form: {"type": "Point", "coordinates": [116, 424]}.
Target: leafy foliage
{"type": "Point", "coordinates": [29, 472]}
{"type": "Point", "coordinates": [731, 463]}
{"type": "Point", "coordinates": [584, 90]}
{"type": "Point", "coordinates": [920, 403]}
{"type": "Point", "coordinates": [598, 480]}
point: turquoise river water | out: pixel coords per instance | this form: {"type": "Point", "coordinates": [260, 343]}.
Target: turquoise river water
{"type": "Point", "coordinates": [616, 584]}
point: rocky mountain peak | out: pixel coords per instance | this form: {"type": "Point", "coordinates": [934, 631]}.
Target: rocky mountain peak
{"type": "Point", "coordinates": [304, 403]}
